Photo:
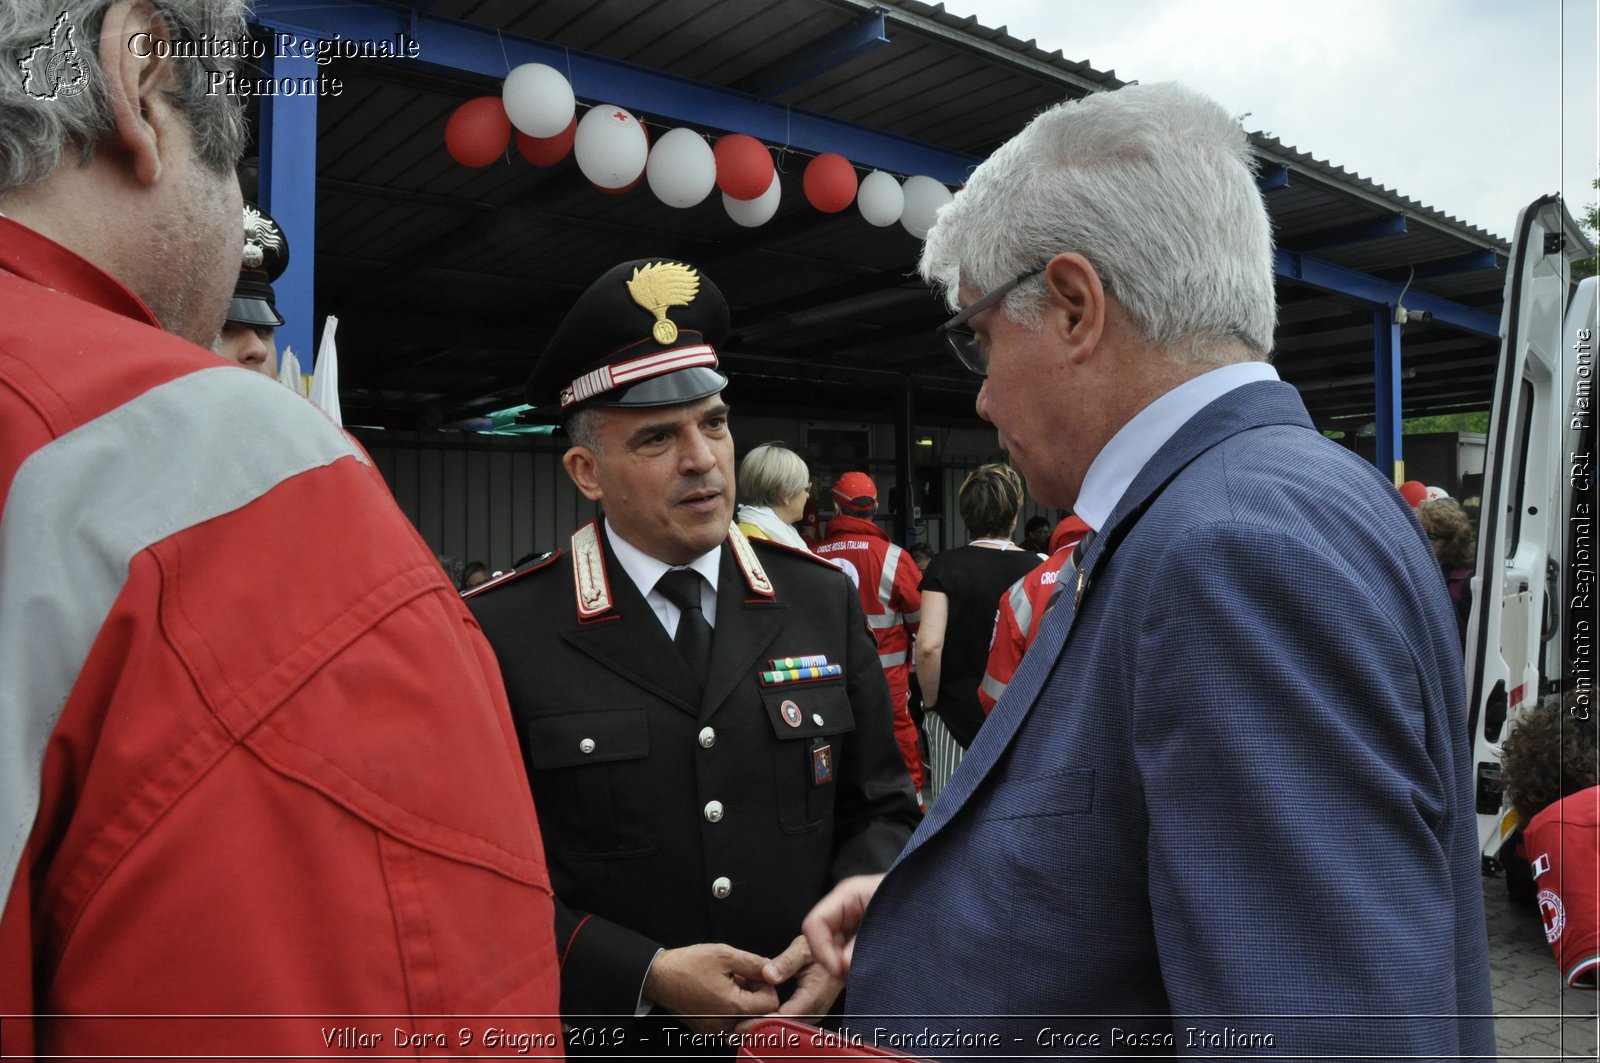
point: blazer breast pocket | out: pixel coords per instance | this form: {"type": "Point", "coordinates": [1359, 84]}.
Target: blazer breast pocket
{"type": "Point", "coordinates": [1069, 792]}
{"type": "Point", "coordinates": [590, 773]}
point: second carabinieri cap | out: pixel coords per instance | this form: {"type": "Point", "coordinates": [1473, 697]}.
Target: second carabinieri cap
{"type": "Point", "coordinates": [644, 334]}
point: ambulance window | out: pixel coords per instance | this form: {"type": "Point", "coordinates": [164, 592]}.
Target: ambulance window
{"type": "Point", "coordinates": [1515, 490]}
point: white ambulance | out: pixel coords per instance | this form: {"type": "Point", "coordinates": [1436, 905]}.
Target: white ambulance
{"type": "Point", "coordinates": [1532, 631]}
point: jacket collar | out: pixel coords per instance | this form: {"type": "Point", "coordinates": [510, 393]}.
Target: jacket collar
{"type": "Point", "coordinates": [1255, 405]}
{"type": "Point", "coordinates": [35, 257]}
{"type": "Point", "coordinates": [845, 524]}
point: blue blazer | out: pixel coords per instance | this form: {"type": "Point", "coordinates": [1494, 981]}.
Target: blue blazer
{"type": "Point", "coordinates": [1225, 804]}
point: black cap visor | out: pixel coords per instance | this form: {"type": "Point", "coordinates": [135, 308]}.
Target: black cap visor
{"type": "Point", "coordinates": [250, 310]}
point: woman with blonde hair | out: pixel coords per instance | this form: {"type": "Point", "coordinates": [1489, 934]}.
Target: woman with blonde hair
{"type": "Point", "coordinates": [774, 483]}
{"type": "Point", "coordinates": [960, 590]}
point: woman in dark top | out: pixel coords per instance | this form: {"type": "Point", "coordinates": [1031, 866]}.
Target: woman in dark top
{"type": "Point", "coordinates": [960, 592]}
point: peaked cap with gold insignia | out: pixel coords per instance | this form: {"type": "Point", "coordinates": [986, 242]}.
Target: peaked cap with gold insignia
{"type": "Point", "coordinates": [644, 334]}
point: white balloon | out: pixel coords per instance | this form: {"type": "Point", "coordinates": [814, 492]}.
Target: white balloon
{"type": "Point", "coordinates": [758, 211]}
{"type": "Point", "coordinates": [880, 199]}
{"type": "Point", "coordinates": [682, 169]}
{"type": "Point", "coordinates": [538, 100]}
{"type": "Point", "coordinates": [610, 146]}
{"type": "Point", "coordinates": [924, 197]}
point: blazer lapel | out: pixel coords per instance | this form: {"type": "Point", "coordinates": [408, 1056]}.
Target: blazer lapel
{"type": "Point", "coordinates": [631, 642]}
{"type": "Point", "coordinates": [1251, 406]}
{"type": "Point", "coordinates": [746, 625]}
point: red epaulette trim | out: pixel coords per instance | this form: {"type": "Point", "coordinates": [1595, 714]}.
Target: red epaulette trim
{"type": "Point", "coordinates": [542, 561]}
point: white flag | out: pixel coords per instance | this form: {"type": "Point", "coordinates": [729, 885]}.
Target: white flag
{"type": "Point", "coordinates": [289, 372]}
{"type": "Point", "coordinates": [325, 378]}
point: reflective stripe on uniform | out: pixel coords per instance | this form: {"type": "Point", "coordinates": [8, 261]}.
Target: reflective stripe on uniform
{"type": "Point", "coordinates": [889, 660]}
{"type": "Point", "coordinates": [1021, 607]}
{"type": "Point", "coordinates": [84, 505]}
{"type": "Point", "coordinates": [992, 686]}
{"type": "Point", "coordinates": [879, 621]}
{"type": "Point", "coordinates": [912, 618]}
{"type": "Point", "coordinates": [891, 565]}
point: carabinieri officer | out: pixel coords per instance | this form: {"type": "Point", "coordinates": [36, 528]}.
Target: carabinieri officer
{"type": "Point", "coordinates": [707, 731]}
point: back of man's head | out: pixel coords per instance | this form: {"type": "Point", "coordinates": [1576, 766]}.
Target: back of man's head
{"type": "Point", "coordinates": [1155, 186]}
{"type": "Point", "coordinates": [55, 106]}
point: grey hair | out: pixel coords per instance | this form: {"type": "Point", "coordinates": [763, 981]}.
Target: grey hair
{"type": "Point", "coordinates": [583, 428]}
{"type": "Point", "coordinates": [36, 134]}
{"type": "Point", "coordinates": [771, 474]}
{"type": "Point", "coordinates": [1155, 186]}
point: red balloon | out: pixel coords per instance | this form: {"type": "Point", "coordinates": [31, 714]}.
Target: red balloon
{"type": "Point", "coordinates": [547, 151]}
{"type": "Point", "coordinates": [624, 190]}
{"type": "Point", "coordinates": [744, 166]}
{"type": "Point", "coordinates": [1415, 492]}
{"type": "Point", "coordinates": [478, 132]}
{"type": "Point", "coordinates": [830, 183]}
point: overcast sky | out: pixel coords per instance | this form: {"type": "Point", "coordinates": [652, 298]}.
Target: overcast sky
{"type": "Point", "coordinates": [1473, 107]}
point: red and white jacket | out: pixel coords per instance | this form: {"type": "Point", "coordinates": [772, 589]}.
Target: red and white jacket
{"type": "Point", "coordinates": [1022, 608]}
{"type": "Point", "coordinates": [257, 772]}
{"type": "Point", "coordinates": [1562, 844]}
{"type": "Point", "coordinates": [887, 579]}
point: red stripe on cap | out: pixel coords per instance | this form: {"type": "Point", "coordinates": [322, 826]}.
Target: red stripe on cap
{"type": "Point", "coordinates": [660, 363]}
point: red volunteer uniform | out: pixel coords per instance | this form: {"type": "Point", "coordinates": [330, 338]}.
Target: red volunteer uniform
{"type": "Point", "coordinates": [1021, 610]}
{"type": "Point", "coordinates": [255, 756]}
{"type": "Point", "coordinates": [887, 580]}
{"type": "Point", "coordinates": [1563, 846]}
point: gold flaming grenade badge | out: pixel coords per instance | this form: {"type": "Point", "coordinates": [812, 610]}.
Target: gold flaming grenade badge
{"type": "Point", "coordinates": [661, 285]}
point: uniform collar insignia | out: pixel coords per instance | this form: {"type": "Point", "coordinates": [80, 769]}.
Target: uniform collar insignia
{"type": "Point", "coordinates": [754, 574]}
{"type": "Point", "coordinates": [589, 582]}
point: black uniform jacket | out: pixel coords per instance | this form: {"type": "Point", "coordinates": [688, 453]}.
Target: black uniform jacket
{"type": "Point", "coordinates": [672, 819]}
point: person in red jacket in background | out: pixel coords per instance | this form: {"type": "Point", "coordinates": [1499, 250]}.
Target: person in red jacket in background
{"type": "Point", "coordinates": [1022, 607]}
{"type": "Point", "coordinates": [1551, 762]}
{"type": "Point", "coordinates": [886, 578]}
{"type": "Point", "coordinates": [260, 795]}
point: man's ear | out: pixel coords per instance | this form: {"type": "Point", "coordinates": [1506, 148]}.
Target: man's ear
{"type": "Point", "coordinates": [1076, 304]}
{"type": "Point", "coordinates": [581, 467]}
{"type": "Point", "coordinates": [136, 78]}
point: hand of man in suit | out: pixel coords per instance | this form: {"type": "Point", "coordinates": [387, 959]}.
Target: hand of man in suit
{"type": "Point", "coordinates": [831, 927]}
{"type": "Point", "coordinates": [815, 989]}
{"type": "Point", "coordinates": [711, 987]}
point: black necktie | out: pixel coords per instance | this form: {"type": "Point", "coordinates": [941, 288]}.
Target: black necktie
{"type": "Point", "coordinates": [682, 588]}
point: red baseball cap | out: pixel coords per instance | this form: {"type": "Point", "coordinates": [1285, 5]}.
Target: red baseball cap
{"type": "Point", "coordinates": [855, 491]}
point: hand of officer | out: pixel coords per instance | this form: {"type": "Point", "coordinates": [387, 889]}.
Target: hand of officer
{"type": "Point", "coordinates": [712, 986]}
{"type": "Point", "coordinates": [814, 988]}
{"type": "Point", "coordinates": [830, 929]}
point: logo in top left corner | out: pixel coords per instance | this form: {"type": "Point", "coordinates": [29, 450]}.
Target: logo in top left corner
{"type": "Point", "coordinates": [53, 68]}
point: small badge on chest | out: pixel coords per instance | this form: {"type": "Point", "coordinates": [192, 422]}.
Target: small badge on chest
{"type": "Point", "coordinates": [821, 764]}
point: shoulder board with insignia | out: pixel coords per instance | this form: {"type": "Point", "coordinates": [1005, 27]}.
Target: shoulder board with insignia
{"type": "Point", "coordinates": [531, 565]}
{"type": "Point", "coordinates": [754, 575]}
{"type": "Point", "coordinates": [589, 584]}
{"type": "Point", "coordinates": [773, 544]}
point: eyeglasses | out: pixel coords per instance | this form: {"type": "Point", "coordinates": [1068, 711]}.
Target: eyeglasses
{"type": "Point", "coordinates": [959, 334]}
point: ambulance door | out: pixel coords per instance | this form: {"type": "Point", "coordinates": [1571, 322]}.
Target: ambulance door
{"type": "Point", "coordinates": [1521, 624]}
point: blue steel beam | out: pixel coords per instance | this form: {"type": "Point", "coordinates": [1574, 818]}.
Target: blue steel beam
{"type": "Point", "coordinates": [1357, 233]}
{"type": "Point", "coordinates": [1273, 178]}
{"type": "Point", "coordinates": [1328, 277]}
{"type": "Point", "coordinates": [1389, 455]}
{"type": "Point", "coordinates": [817, 57]}
{"type": "Point", "coordinates": [289, 192]}
{"type": "Point", "coordinates": [461, 46]}
{"type": "Point", "coordinates": [1471, 262]}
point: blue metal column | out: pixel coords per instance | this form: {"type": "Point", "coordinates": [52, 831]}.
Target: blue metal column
{"type": "Point", "coordinates": [288, 192]}
{"type": "Point", "coordinates": [1390, 454]}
